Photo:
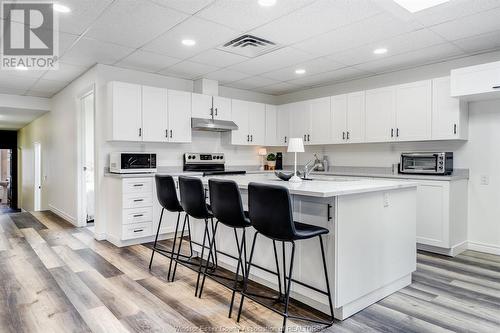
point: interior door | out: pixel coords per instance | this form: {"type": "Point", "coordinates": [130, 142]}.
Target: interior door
{"type": "Point", "coordinates": [320, 118]}
{"type": "Point", "coordinates": [380, 114]}
{"type": "Point", "coordinates": [222, 108]}
{"type": "Point", "coordinates": [356, 117]}
{"type": "Point", "coordinates": [88, 190]}
{"type": "Point", "coordinates": [154, 114]}
{"type": "Point", "coordinates": [257, 123]}
{"type": "Point", "coordinates": [240, 115]}
{"type": "Point", "coordinates": [414, 111]}
{"type": "Point", "coordinates": [127, 114]}
{"type": "Point", "coordinates": [37, 181]}
{"type": "Point", "coordinates": [201, 105]}
{"type": "Point", "coordinates": [179, 116]}
{"type": "Point", "coordinates": [339, 118]}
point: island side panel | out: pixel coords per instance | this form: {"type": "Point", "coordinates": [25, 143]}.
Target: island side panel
{"type": "Point", "coordinates": [375, 246]}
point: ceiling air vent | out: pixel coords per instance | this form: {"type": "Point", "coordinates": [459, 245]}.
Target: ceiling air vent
{"type": "Point", "coordinates": [248, 46]}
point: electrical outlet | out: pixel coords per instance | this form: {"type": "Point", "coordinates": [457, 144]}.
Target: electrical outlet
{"type": "Point", "coordinates": [485, 180]}
{"type": "Point", "coordinates": [386, 199]}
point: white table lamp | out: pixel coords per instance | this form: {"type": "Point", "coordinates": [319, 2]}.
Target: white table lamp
{"type": "Point", "coordinates": [295, 145]}
{"type": "Point", "coordinates": [262, 152]}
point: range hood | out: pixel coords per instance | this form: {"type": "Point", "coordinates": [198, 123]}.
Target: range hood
{"type": "Point", "coordinates": [213, 125]}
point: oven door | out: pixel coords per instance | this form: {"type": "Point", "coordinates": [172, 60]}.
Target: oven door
{"type": "Point", "coordinates": [420, 163]}
{"type": "Point", "coordinates": [135, 161]}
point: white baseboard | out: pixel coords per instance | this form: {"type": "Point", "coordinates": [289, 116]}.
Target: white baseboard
{"type": "Point", "coordinates": [63, 215]}
{"type": "Point", "coordinates": [452, 252]}
{"type": "Point", "coordinates": [100, 236]}
{"type": "Point", "coordinates": [486, 248]}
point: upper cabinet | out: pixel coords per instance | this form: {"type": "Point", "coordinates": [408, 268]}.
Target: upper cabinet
{"type": "Point", "coordinates": [271, 125]}
{"type": "Point", "coordinates": [206, 106]}
{"type": "Point", "coordinates": [149, 114]}
{"type": "Point", "coordinates": [414, 111]}
{"type": "Point", "coordinates": [450, 116]}
{"type": "Point", "coordinates": [319, 123]}
{"type": "Point", "coordinates": [348, 118]}
{"type": "Point", "coordinates": [380, 115]}
{"type": "Point", "coordinates": [251, 120]}
{"type": "Point", "coordinates": [283, 119]}
{"type": "Point", "coordinates": [476, 82]}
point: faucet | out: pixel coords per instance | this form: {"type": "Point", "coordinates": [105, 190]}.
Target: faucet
{"type": "Point", "coordinates": [310, 166]}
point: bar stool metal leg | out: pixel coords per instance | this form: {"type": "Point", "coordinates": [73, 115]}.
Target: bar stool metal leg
{"type": "Point", "coordinates": [179, 247]}
{"type": "Point", "coordinates": [287, 291]}
{"type": "Point", "coordinates": [173, 245]}
{"type": "Point", "coordinates": [156, 239]}
{"type": "Point", "coordinates": [245, 284]}
{"type": "Point", "coordinates": [240, 263]}
{"type": "Point", "coordinates": [277, 269]}
{"type": "Point", "coordinates": [326, 276]}
{"type": "Point", "coordinates": [205, 234]}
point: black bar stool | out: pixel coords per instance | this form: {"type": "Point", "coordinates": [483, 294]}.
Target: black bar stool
{"type": "Point", "coordinates": [271, 215]}
{"type": "Point", "coordinates": [167, 196]}
{"type": "Point", "coordinates": [193, 201]}
{"type": "Point", "coordinates": [225, 200]}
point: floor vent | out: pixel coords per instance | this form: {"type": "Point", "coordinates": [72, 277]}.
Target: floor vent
{"type": "Point", "coordinates": [248, 46]}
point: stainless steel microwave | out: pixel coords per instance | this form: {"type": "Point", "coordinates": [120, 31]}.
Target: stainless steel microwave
{"type": "Point", "coordinates": [132, 162]}
{"type": "Point", "coordinates": [427, 163]}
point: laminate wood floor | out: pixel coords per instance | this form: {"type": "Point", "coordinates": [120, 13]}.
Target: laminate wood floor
{"type": "Point", "coordinates": [57, 278]}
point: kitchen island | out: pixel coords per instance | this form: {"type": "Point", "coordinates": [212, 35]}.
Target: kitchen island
{"type": "Point", "coordinates": [371, 250]}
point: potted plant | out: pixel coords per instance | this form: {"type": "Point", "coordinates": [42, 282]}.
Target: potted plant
{"type": "Point", "coordinates": [271, 161]}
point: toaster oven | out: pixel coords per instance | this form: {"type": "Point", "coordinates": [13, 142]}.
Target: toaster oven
{"type": "Point", "coordinates": [427, 163]}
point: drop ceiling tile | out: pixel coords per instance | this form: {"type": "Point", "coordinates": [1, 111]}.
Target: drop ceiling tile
{"type": "Point", "coordinates": [218, 58]}
{"type": "Point", "coordinates": [45, 94]}
{"type": "Point", "coordinates": [65, 73]}
{"type": "Point", "coordinates": [65, 42]}
{"type": "Point", "coordinates": [11, 91]}
{"type": "Point", "coordinates": [347, 73]}
{"type": "Point", "coordinates": [243, 15]}
{"type": "Point", "coordinates": [186, 6]}
{"type": "Point", "coordinates": [414, 58]}
{"type": "Point", "coordinates": [225, 75]}
{"type": "Point", "coordinates": [407, 42]}
{"type": "Point", "coordinates": [88, 51]}
{"type": "Point", "coordinates": [315, 66]}
{"type": "Point", "coordinates": [188, 70]}
{"type": "Point", "coordinates": [378, 27]}
{"type": "Point", "coordinates": [206, 34]}
{"type": "Point", "coordinates": [10, 79]}
{"type": "Point", "coordinates": [278, 88]}
{"type": "Point", "coordinates": [487, 41]}
{"type": "Point", "coordinates": [253, 82]}
{"type": "Point", "coordinates": [470, 25]}
{"type": "Point", "coordinates": [144, 21]}
{"type": "Point", "coordinates": [147, 61]}
{"type": "Point", "coordinates": [316, 18]}
{"type": "Point", "coordinates": [82, 14]}
{"type": "Point", "coordinates": [48, 86]}
{"type": "Point", "coordinates": [280, 58]}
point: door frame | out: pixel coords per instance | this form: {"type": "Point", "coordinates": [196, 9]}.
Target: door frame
{"type": "Point", "coordinates": [9, 141]}
{"type": "Point", "coordinates": [81, 218]}
{"type": "Point", "coordinates": [37, 171]}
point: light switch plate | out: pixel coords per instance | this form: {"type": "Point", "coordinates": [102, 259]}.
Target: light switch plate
{"type": "Point", "coordinates": [386, 199]}
{"type": "Point", "coordinates": [485, 180]}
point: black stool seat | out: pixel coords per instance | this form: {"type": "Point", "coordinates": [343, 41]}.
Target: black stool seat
{"type": "Point", "coordinates": [305, 231]}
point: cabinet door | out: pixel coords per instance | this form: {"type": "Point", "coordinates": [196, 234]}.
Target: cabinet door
{"type": "Point", "coordinates": [445, 111]}
{"type": "Point", "coordinates": [300, 120]}
{"type": "Point", "coordinates": [484, 78]}
{"type": "Point", "coordinates": [414, 111]}
{"type": "Point", "coordinates": [179, 116]}
{"type": "Point", "coordinates": [271, 125]}
{"type": "Point", "coordinates": [380, 115]}
{"type": "Point", "coordinates": [201, 106]}
{"type": "Point", "coordinates": [356, 117]}
{"type": "Point", "coordinates": [154, 114]}
{"type": "Point", "coordinates": [283, 124]}
{"type": "Point", "coordinates": [320, 115]}
{"type": "Point", "coordinates": [240, 115]}
{"type": "Point", "coordinates": [432, 214]}
{"type": "Point", "coordinates": [339, 118]}
{"type": "Point", "coordinates": [222, 108]}
{"type": "Point", "coordinates": [126, 111]}
{"type": "Point", "coordinates": [257, 123]}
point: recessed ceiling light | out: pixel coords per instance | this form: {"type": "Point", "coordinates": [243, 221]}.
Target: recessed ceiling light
{"type": "Point", "coordinates": [61, 9]}
{"type": "Point", "coordinates": [300, 71]}
{"type": "Point", "coordinates": [414, 6]}
{"type": "Point", "coordinates": [381, 50]}
{"type": "Point", "coordinates": [267, 3]}
{"type": "Point", "coordinates": [21, 68]}
{"type": "Point", "coordinates": [188, 42]}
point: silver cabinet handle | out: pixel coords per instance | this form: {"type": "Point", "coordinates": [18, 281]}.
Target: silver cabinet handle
{"type": "Point", "coordinates": [343, 135]}
{"type": "Point", "coordinates": [166, 133]}
{"type": "Point", "coordinates": [454, 128]}
{"type": "Point", "coordinates": [305, 137]}
{"type": "Point", "coordinates": [138, 200]}
{"type": "Point", "coordinates": [140, 131]}
{"type": "Point", "coordinates": [392, 132]}
{"type": "Point", "coordinates": [285, 139]}
{"type": "Point", "coordinates": [248, 138]}
{"type": "Point", "coordinates": [347, 135]}
{"type": "Point", "coordinates": [138, 230]}
{"type": "Point", "coordinates": [251, 137]}
{"type": "Point", "coordinates": [397, 132]}
{"type": "Point", "coordinates": [138, 215]}
{"type": "Point", "coordinates": [308, 138]}
{"type": "Point", "coordinates": [170, 133]}
{"type": "Point", "coordinates": [138, 185]}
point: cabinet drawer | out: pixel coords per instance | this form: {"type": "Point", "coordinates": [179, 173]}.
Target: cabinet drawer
{"type": "Point", "coordinates": [137, 200]}
{"type": "Point", "coordinates": [137, 185]}
{"type": "Point", "coordinates": [137, 215]}
{"type": "Point", "coordinates": [137, 230]}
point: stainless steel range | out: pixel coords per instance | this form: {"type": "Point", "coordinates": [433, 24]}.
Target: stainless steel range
{"type": "Point", "coordinates": [208, 163]}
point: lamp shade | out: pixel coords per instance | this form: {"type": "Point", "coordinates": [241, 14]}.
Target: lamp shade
{"type": "Point", "coordinates": [295, 145]}
{"type": "Point", "coordinates": [262, 152]}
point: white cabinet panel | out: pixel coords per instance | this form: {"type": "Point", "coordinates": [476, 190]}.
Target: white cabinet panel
{"type": "Point", "coordinates": [299, 120]}
{"type": "Point", "coordinates": [380, 114]}
{"type": "Point", "coordinates": [339, 118]}
{"type": "Point", "coordinates": [480, 81]}
{"type": "Point", "coordinates": [201, 106]}
{"type": "Point", "coordinates": [432, 208]}
{"type": "Point", "coordinates": [179, 116]}
{"type": "Point", "coordinates": [320, 114]}
{"type": "Point", "coordinates": [222, 108]}
{"type": "Point", "coordinates": [240, 114]}
{"type": "Point", "coordinates": [283, 125]}
{"type": "Point", "coordinates": [449, 114]}
{"type": "Point", "coordinates": [257, 123]}
{"type": "Point", "coordinates": [125, 105]}
{"type": "Point", "coordinates": [414, 111]}
{"type": "Point", "coordinates": [355, 117]}
{"type": "Point", "coordinates": [154, 114]}
{"type": "Point", "coordinates": [271, 125]}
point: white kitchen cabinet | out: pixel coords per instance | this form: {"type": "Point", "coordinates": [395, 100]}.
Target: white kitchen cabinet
{"type": "Point", "coordinates": [380, 115]}
{"type": "Point", "coordinates": [222, 108]}
{"type": "Point", "coordinates": [476, 82]}
{"type": "Point", "coordinates": [251, 119]}
{"type": "Point", "coordinates": [179, 116]}
{"type": "Point", "coordinates": [450, 116]}
{"type": "Point", "coordinates": [355, 117]}
{"type": "Point", "coordinates": [320, 120]}
{"type": "Point", "coordinates": [339, 118]}
{"type": "Point", "coordinates": [271, 125]}
{"type": "Point", "coordinates": [414, 111]}
{"type": "Point", "coordinates": [300, 120]}
{"type": "Point", "coordinates": [154, 114]}
{"type": "Point", "coordinates": [283, 124]}
{"type": "Point", "coordinates": [206, 106]}
{"type": "Point", "coordinates": [125, 104]}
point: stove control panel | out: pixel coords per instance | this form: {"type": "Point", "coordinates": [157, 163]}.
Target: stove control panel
{"type": "Point", "coordinates": [203, 158]}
